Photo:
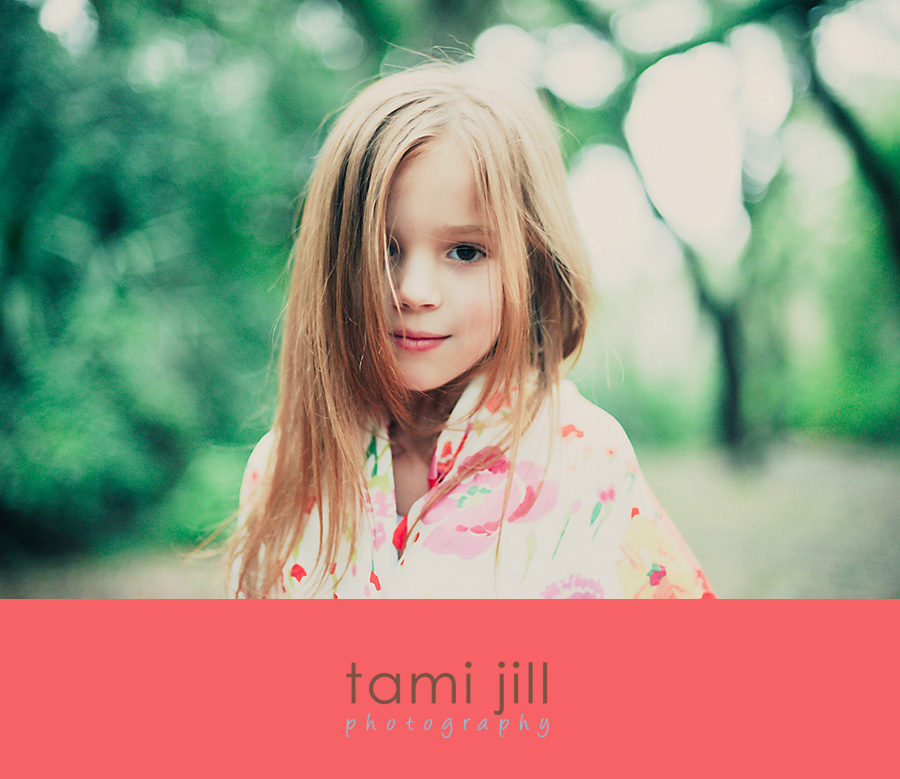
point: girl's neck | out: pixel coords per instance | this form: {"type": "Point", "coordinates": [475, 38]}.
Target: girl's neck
{"type": "Point", "coordinates": [428, 413]}
{"type": "Point", "coordinates": [413, 444]}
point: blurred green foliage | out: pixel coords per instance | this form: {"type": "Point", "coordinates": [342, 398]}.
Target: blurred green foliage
{"type": "Point", "coordinates": [150, 171]}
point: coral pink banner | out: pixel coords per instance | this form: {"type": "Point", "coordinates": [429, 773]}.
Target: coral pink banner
{"type": "Point", "coordinates": [461, 688]}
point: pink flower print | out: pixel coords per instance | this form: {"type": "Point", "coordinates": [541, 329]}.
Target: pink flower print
{"type": "Point", "coordinates": [446, 453]}
{"type": "Point", "coordinates": [656, 574]}
{"type": "Point", "coordinates": [572, 430]}
{"type": "Point", "coordinates": [490, 458]}
{"type": "Point", "coordinates": [574, 587]}
{"type": "Point", "coordinates": [379, 535]}
{"type": "Point", "coordinates": [466, 520]}
{"type": "Point", "coordinates": [373, 577]}
{"type": "Point", "coordinates": [551, 591]}
{"type": "Point", "coordinates": [472, 497]}
{"type": "Point", "coordinates": [399, 537]}
{"type": "Point", "coordinates": [382, 503]}
{"type": "Point", "coordinates": [526, 505]}
{"type": "Point", "coordinates": [486, 529]}
{"type": "Point", "coordinates": [540, 496]}
{"type": "Point", "coordinates": [442, 464]}
{"type": "Point", "coordinates": [608, 495]}
{"type": "Point", "coordinates": [497, 401]}
{"type": "Point", "coordinates": [707, 590]}
{"type": "Point", "coordinates": [656, 563]}
{"type": "Point", "coordinates": [298, 572]}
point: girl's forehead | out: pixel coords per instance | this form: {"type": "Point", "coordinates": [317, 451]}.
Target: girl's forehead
{"type": "Point", "coordinates": [439, 180]}
{"type": "Point", "coordinates": [446, 155]}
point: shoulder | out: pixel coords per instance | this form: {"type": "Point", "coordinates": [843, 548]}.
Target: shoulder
{"type": "Point", "coordinates": [258, 466]}
{"type": "Point", "coordinates": [621, 521]}
{"type": "Point", "coordinates": [582, 421]}
{"type": "Point", "coordinates": [262, 450]}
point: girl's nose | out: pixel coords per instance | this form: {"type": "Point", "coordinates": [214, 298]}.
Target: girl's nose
{"type": "Point", "coordinates": [417, 282]}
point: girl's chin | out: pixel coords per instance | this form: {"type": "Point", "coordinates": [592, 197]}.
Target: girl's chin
{"type": "Point", "coordinates": [445, 393]}
{"type": "Point", "coordinates": [423, 388]}
{"type": "Point", "coordinates": [423, 385]}
{"type": "Point", "coordinates": [437, 383]}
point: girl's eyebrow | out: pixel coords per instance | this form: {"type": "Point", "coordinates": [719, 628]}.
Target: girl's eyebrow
{"type": "Point", "coordinates": [463, 230]}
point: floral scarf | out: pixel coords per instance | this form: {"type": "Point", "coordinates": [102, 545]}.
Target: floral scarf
{"type": "Point", "coordinates": [580, 521]}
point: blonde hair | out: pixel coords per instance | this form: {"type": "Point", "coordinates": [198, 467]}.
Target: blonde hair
{"type": "Point", "coordinates": [338, 367]}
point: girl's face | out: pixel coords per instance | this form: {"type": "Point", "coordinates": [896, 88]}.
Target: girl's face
{"type": "Point", "coordinates": [445, 272]}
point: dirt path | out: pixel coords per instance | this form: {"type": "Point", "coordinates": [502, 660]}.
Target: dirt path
{"type": "Point", "coordinates": [812, 521]}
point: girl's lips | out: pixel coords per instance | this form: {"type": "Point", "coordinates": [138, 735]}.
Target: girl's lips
{"type": "Point", "coordinates": [417, 340]}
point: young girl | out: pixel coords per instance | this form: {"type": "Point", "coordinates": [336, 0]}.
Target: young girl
{"type": "Point", "coordinates": [424, 444]}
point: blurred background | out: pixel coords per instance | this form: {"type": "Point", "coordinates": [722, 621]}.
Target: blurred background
{"type": "Point", "coordinates": [736, 168]}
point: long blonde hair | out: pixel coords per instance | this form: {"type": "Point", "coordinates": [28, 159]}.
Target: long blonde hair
{"type": "Point", "coordinates": [337, 366]}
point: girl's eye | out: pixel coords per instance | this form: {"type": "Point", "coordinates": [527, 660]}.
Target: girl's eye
{"type": "Point", "coordinates": [466, 253]}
